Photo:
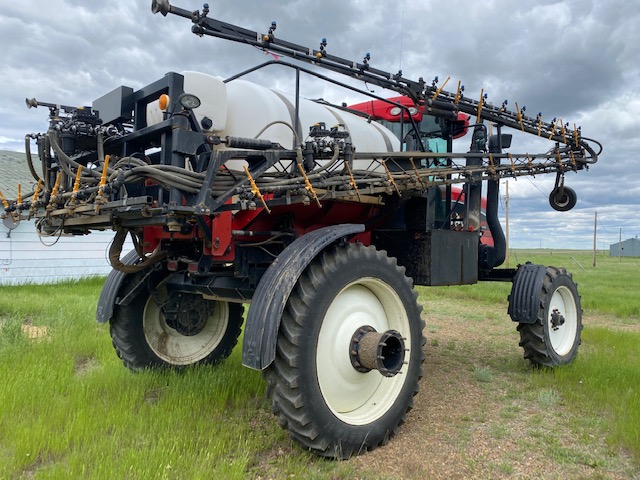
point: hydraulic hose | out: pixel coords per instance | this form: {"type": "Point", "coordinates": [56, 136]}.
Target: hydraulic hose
{"type": "Point", "coordinates": [276, 122]}
{"type": "Point", "coordinates": [332, 161]}
{"type": "Point", "coordinates": [116, 249]}
{"type": "Point", "coordinates": [27, 150]}
{"type": "Point", "coordinates": [65, 160]}
{"type": "Point", "coordinates": [248, 143]}
{"type": "Point", "coordinates": [587, 147]}
{"type": "Point", "coordinates": [43, 159]}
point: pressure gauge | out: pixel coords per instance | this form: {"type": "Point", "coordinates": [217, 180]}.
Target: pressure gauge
{"type": "Point", "coordinates": [189, 101]}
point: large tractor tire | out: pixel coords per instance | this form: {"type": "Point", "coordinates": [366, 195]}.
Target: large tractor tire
{"type": "Point", "coordinates": [349, 353]}
{"type": "Point", "coordinates": [198, 331]}
{"type": "Point", "coordinates": [553, 339]}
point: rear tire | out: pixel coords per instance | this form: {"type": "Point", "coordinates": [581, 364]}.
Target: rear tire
{"type": "Point", "coordinates": [553, 339]}
{"type": "Point", "coordinates": [327, 405]}
{"type": "Point", "coordinates": [205, 331]}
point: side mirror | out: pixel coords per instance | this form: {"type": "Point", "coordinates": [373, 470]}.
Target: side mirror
{"type": "Point", "coordinates": [455, 128]}
{"type": "Point", "coordinates": [506, 141]}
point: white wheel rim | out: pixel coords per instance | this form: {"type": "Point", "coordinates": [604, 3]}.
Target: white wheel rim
{"type": "Point", "coordinates": [176, 348]}
{"type": "Point", "coordinates": [563, 338]}
{"type": "Point", "coordinates": [359, 398]}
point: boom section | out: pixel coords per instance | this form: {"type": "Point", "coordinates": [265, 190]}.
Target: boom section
{"type": "Point", "coordinates": [438, 102]}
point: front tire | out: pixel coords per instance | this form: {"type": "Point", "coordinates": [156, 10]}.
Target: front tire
{"type": "Point", "coordinates": [327, 404]}
{"type": "Point", "coordinates": [201, 332]}
{"type": "Point", "coordinates": [553, 339]}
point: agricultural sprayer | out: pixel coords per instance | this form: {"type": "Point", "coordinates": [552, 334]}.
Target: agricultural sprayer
{"type": "Point", "coordinates": [320, 216]}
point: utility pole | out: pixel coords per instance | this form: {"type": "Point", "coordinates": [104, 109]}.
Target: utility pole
{"type": "Point", "coordinates": [620, 246]}
{"type": "Point", "coordinates": [595, 227]}
{"type": "Point", "coordinates": [506, 207]}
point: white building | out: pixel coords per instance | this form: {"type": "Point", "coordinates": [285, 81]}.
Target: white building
{"type": "Point", "coordinates": [25, 257]}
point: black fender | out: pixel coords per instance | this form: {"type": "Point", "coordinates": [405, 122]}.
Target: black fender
{"type": "Point", "coordinates": [111, 288]}
{"type": "Point", "coordinates": [274, 289]}
{"type": "Point", "coordinates": [524, 299]}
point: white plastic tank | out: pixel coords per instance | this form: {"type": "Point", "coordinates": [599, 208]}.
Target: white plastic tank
{"type": "Point", "coordinates": [212, 93]}
{"type": "Point", "coordinates": [242, 109]}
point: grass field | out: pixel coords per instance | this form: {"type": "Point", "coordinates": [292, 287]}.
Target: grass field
{"type": "Point", "coordinates": [68, 408]}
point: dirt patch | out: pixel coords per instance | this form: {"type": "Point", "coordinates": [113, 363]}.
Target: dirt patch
{"type": "Point", "coordinates": [31, 331]}
{"type": "Point", "coordinates": [479, 414]}
{"type": "Point", "coordinates": [31, 471]}
{"type": "Point", "coordinates": [84, 365]}
{"type": "Point", "coordinates": [153, 396]}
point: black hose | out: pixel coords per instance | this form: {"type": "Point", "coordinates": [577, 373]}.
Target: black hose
{"type": "Point", "coordinates": [27, 151]}
{"type": "Point", "coordinates": [42, 142]}
{"type": "Point", "coordinates": [588, 148]}
{"type": "Point", "coordinates": [66, 161]}
{"type": "Point", "coordinates": [249, 143]}
{"type": "Point", "coordinates": [594, 141]}
{"type": "Point", "coordinates": [46, 164]}
{"type": "Point", "coordinates": [116, 249]}
{"type": "Point", "coordinates": [493, 256]}
{"type": "Point", "coordinates": [169, 178]}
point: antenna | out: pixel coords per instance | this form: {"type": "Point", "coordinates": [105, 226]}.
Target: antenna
{"type": "Point", "coordinates": [401, 35]}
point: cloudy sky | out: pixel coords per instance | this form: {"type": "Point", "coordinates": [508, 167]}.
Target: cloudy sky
{"type": "Point", "coordinates": [575, 59]}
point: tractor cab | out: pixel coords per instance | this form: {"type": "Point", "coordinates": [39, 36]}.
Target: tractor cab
{"type": "Point", "coordinates": [417, 130]}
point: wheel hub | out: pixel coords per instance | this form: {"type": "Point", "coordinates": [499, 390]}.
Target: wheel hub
{"type": "Point", "coordinates": [187, 314]}
{"type": "Point", "coordinates": [557, 320]}
{"type": "Point", "coordinates": [371, 350]}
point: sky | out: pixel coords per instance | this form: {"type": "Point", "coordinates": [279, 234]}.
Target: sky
{"type": "Point", "coordinates": [574, 59]}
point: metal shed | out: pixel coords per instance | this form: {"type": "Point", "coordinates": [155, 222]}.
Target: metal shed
{"type": "Point", "coordinates": [626, 248]}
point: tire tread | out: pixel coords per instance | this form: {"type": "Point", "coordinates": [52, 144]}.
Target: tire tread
{"type": "Point", "coordinates": [282, 376]}
{"type": "Point", "coordinates": [128, 339]}
{"type": "Point", "coordinates": [532, 335]}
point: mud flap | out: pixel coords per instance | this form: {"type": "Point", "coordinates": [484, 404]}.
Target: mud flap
{"type": "Point", "coordinates": [525, 293]}
{"type": "Point", "coordinates": [111, 288]}
{"type": "Point", "coordinates": [272, 293]}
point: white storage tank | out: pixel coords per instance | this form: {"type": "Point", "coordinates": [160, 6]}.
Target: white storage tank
{"type": "Point", "coordinates": [212, 93]}
{"type": "Point", "coordinates": [242, 109]}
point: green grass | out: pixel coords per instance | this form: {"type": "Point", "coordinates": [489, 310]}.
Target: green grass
{"type": "Point", "coordinates": [609, 288]}
{"type": "Point", "coordinates": [605, 380]}
{"type": "Point", "coordinates": [68, 408]}
{"type": "Point", "coordinates": [548, 398]}
{"type": "Point", "coordinates": [482, 374]}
